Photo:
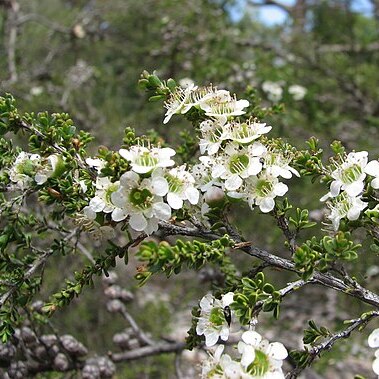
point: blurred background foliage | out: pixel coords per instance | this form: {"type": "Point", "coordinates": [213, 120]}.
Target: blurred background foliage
{"type": "Point", "coordinates": [84, 57]}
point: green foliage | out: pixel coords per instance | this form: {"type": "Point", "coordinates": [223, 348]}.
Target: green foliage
{"type": "Point", "coordinates": [170, 259]}
{"type": "Point", "coordinates": [158, 90]}
{"type": "Point", "coordinates": [253, 291]}
{"type": "Point", "coordinates": [314, 333]}
{"type": "Point", "coordinates": [321, 254]}
{"type": "Point", "coordinates": [301, 220]}
{"type": "Point", "coordinates": [85, 278]}
{"type": "Point", "coordinates": [193, 339]}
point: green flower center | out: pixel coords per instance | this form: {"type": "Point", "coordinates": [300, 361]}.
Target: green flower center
{"type": "Point", "coordinates": [146, 160]}
{"type": "Point", "coordinates": [260, 365]}
{"type": "Point", "coordinates": [27, 168]}
{"type": "Point", "coordinates": [351, 174]}
{"type": "Point", "coordinates": [140, 198]}
{"type": "Point", "coordinates": [242, 131]}
{"type": "Point", "coordinates": [263, 187]}
{"type": "Point", "coordinates": [238, 163]}
{"type": "Point", "coordinates": [215, 135]}
{"type": "Point", "coordinates": [108, 192]}
{"type": "Point", "coordinates": [217, 370]}
{"type": "Point", "coordinates": [174, 184]}
{"type": "Point", "coordinates": [217, 317]}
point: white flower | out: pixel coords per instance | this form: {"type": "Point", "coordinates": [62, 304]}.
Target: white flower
{"type": "Point", "coordinates": [212, 136]}
{"type": "Point", "coordinates": [349, 176]}
{"type": "Point", "coordinates": [177, 102]}
{"type": "Point", "coordinates": [180, 186]}
{"type": "Point", "coordinates": [345, 207]}
{"type": "Point", "coordinates": [36, 91]}
{"type": "Point", "coordinates": [298, 92]}
{"type": "Point", "coordinates": [276, 164]}
{"type": "Point", "coordinates": [202, 174]}
{"type": "Point", "coordinates": [273, 90]}
{"type": "Point", "coordinates": [373, 338]}
{"type": "Point", "coordinates": [53, 165]}
{"type": "Point", "coordinates": [25, 169]}
{"type": "Point", "coordinates": [97, 163]}
{"type": "Point", "coordinates": [221, 366]}
{"type": "Point", "coordinates": [261, 190]}
{"type": "Point", "coordinates": [212, 322]}
{"type": "Point", "coordinates": [141, 201]}
{"type": "Point", "coordinates": [186, 82]}
{"type": "Point", "coordinates": [245, 132]}
{"type": "Point", "coordinates": [102, 200]}
{"type": "Point", "coordinates": [372, 169]}
{"type": "Point", "coordinates": [237, 163]}
{"type": "Point", "coordinates": [144, 160]}
{"type": "Point", "coordinates": [87, 221]}
{"type": "Point", "coordinates": [220, 104]}
{"type": "Point", "coordinates": [260, 358]}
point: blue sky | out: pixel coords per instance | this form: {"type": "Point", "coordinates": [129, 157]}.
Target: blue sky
{"type": "Point", "coordinates": [272, 15]}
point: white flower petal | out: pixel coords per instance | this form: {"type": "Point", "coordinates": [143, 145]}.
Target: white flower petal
{"type": "Point", "coordinates": [159, 186]}
{"type": "Point", "coordinates": [277, 350]}
{"type": "Point", "coordinates": [227, 299]}
{"type": "Point", "coordinates": [375, 183]}
{"type": "Point", "coordinates": [137, 222]}
{"type": "Point", "coordinates": [375, 366]}
{"type": "Point", "coordinates": [372, 168]}
{"type": "Point", "coordinates": [162, 211]}
{"type": "Point", "coordinates": [248, 355]}
{"type": "Point", "coordinates": [335, 188]}
{"type": "Point", "coordinates": [354, 189]}
{"type": "Point", "coordinates": [233, 183]}
{"type": "Point", "coordinates": [192, 195]}
{"type": "Point", "coordinates": [174, 200]}
{"type": "Point", "coordinates": [118, 199]}
{"type": "Point", "coordinates": [251, 338]}
{"type": "Point", "coordinates": [280, 189]}
{"type": "Point", "coordinates": [373, 339]}
{"type": "Point", "coordinates": [96, 204]}
{"type": "Point", "coordinates": [126, 154]}
{"type": "Point", "coordinates": [89, 213]}
{"type": "Point", "coordinates": [267, 205]}
{"type": "Point", "coordinates": [40, 178]}
{"type": "Point", "coordinates": [211, 337]}
{"type": "Point", "coordinates": [129, 178]}
{"type": "Point", "coordinates": [119, 214]}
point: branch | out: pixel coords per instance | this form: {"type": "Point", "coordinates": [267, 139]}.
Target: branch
{"type": "Point", "coordinates": [39, 262]}
{"type": "Point", "coordinates": [146, 351]}
{"type": "Point", "coordinates": [315, 351]}
{"type": "Point", "coordinates": [32, 270]}
{"type": "Point", "coordinates": [12, 39]}
{"type": "Point", "coordinates": [325, 279]}
{"type": "Point", "coordinates": [136, 329]}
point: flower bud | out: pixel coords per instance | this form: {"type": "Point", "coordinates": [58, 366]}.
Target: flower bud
{"type": "Point", "coordinates": [61, 362]}
{"type": "Point", "coordinates": [114, 306]}
{"type": "Point", "coordinates": [73, 346]}
{"type": "Point", "coordinates": [214, 197]}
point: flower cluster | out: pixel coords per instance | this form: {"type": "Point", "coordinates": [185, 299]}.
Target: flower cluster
{"type": "Point", "coordinates": [347, 187]}
{"type": "Point", "coordinates": [147, 193]}
{"type": "Point", "coordinates": [257, 357]}
{"type": "Point", "coordinates": [219, 104]}
{"type": "Point", "coordinates": [29, 169]}
{"type": "Point", "coordinates": [234, 159]}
